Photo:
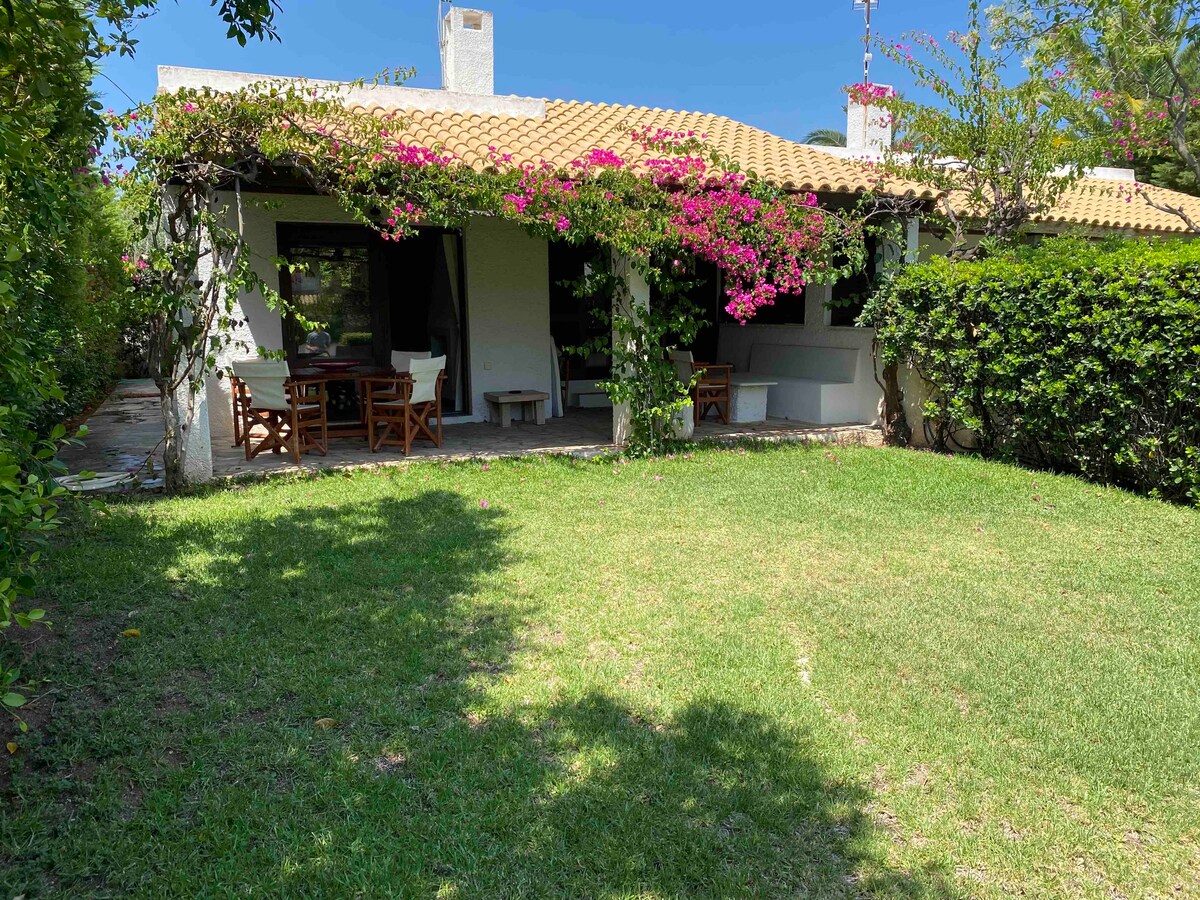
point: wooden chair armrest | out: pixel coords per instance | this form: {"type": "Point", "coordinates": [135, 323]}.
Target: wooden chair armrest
{"type": "Point", "coordinates": [369, 381]}
{"type": "Point", "coordinates": [386, 389]}
{"type": "Point", "coordinates": [713, 373]}
{"type": "Point", "coordinates": [307, 391]}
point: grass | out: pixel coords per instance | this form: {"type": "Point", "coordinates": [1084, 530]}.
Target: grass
{"type": "Point", "coordinates": [778, 673]}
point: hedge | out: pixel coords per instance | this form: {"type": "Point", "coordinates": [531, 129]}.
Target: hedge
{"type": "Point", "coordinates": [1072, 355]}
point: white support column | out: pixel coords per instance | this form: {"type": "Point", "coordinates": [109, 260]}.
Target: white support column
{"type": "Point", "coordinates": [912, 387]}
{"type": "Point", "coordinates": [197, 438]}
{"type": "Point", "coordinates": [195, 434]}
{"type": "Point", "coordinates": [636, 296]}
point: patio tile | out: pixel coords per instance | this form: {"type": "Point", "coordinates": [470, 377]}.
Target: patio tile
{"type": "Point", "coordinates": [126, 431]}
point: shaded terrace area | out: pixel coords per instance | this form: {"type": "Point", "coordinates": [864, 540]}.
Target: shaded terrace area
{"type": "Point", "coordinates": [127, 429]}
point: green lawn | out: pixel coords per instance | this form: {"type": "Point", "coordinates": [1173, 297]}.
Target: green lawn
{"type": "Point", "coordinates": [782, 673]}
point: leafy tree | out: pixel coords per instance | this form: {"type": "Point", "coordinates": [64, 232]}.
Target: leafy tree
{"type": "Point", "coordinates": [1129, 68]}
{"type": "Point", "coordinates": [58, 238]}
{"type": "Point", "coordinates": [826, 137]}
{"type": "Point", "coordinates": [993, 152]}
{"type": "Point", "coordinates": [113, 21]}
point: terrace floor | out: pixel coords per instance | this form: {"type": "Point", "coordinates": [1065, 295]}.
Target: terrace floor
{"type": "Point", "coordinates": [126, 431]}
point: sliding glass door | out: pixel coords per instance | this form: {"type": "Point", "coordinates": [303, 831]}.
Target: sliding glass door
{"type": "Point", "coordinates": [372, 297]}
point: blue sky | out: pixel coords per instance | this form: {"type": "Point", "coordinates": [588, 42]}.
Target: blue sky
{"type": "Point", "coordinates": [777, 66]}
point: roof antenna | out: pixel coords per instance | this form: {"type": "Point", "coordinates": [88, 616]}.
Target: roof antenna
{"type": "Point", "coordinates": [441, 28]}
{"type": "Point", "coordinates": [866, 6]}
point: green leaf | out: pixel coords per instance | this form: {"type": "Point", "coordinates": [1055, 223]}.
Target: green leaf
{"type": "Point", "coordinates": [12, 700]}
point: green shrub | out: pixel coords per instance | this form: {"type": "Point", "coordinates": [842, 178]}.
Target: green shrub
{"type": "Point", "coordinates": [82, 313]}
{"type": "Point", "coordinates": [56, 233]}
{"type": "Point", "coordinates": [1073, 355]}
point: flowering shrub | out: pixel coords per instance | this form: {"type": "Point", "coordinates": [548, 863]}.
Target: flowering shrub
{"type": "Point", "coordinates": [1075, 356]}
{"type": "Point", "coordinates": [680, 204]}
{"type": "Point", "coordinates": [994, 152]}
{"type": "Point", "coordinates": [1124, 71]}
{"type": "Point", "coordinates": [868, 94]}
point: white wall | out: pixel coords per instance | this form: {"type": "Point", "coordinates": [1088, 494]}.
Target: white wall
{"type": "Point", "coordinates": [931, 245]}
{"type": "Point", "coordinates": [508, 311]}
{"type": "Point", "coordinates": [736, 341]}
{"type": "Point", "coordinates": [468, 51]}
{"type": "Point", "coordinates": [173, 78]}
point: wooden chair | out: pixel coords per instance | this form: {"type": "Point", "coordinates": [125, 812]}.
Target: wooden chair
{"type": "Point", "coordinates": [236, 395]}
{"type": "Point", "coordinates": [400, 410]}
{"type": "Point", "coordinates": [292, 415]}
{"type": "Point", "coordinates": [564, 377]}
{"type": "Point", "coordinates": [712, 392]}
{"type": "Point", "coordinates": [712, 389]}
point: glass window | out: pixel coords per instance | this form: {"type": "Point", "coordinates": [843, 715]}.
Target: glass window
{"type": "Point", "coordinates": [573, 320]}
{"type": "Point", "coordinates": [332, 286]}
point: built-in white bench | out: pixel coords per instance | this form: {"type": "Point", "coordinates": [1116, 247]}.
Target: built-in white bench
{"type": "Point", "coordinates": [814, 384]}
{"type": "Point", "coordinates": [587, 395]}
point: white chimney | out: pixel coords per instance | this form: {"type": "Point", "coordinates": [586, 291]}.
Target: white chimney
{"type": "Point", "coordinates": [868, 128]}
{"type": "Point", "coordinates": [467, 54]}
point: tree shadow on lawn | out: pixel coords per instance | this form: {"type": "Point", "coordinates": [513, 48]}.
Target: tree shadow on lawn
{"type": "Point", "coordinates": [393, 617]}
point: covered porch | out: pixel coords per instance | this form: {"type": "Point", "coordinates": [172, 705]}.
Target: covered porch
{"type": "Point", "coordinates": [498, 306]}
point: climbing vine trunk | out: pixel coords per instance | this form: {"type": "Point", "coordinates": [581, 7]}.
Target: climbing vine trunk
{"type": "Point", "coordinates": [896, 430]}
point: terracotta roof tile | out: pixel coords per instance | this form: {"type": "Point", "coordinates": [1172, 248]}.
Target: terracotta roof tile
{"type": "Point", "coordinates": [570, 129]}
{"type": "Point", "coordinates": [1113, 204]}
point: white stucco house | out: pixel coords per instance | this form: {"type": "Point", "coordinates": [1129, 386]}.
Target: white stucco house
{"type": "Point", "coordinates": [488, 295]}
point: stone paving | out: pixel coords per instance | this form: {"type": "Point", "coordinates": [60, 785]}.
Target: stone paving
{"type": "Point", "coordinates": [125, 434]}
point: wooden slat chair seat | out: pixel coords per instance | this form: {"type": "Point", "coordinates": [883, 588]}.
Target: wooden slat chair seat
{"type": "Point", "coordinates": [292, 416]}
{"type": "Point", "coordinates": [406, 407]}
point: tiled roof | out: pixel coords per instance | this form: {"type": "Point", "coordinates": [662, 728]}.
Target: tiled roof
{"type": "Point", "coordinates": [1104, 203]}
{"type": "Point", "coordinates": [570, 129]}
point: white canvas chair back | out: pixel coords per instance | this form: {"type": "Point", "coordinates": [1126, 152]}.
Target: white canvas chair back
{"type": "Point", "coordinates": [683, 365]}
{"type": "Point", "coordinates": [265, 379]}
{"type": "Point", "coordinates": [424, 374]}
{"type": "Point", "coordinates": [402, 359]}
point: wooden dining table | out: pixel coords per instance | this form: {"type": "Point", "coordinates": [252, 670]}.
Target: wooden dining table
{"type": "Point", "coordinates": [357, 427]}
